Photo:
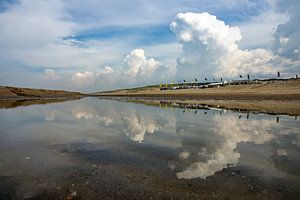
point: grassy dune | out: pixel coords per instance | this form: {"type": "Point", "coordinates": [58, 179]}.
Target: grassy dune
{"type": "Point", "coordinates": [28, 93]}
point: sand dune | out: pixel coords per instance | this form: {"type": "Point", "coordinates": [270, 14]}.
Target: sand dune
{"type": "Point", "coordinates": [28, 93]}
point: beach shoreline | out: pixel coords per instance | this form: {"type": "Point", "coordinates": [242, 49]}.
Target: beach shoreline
{"type": "Point", "coordinates": [291, 108]}
{"type": "Point", "coordinates": [288, 90]}
{"type": "Point", "coordinates": [274, 97]}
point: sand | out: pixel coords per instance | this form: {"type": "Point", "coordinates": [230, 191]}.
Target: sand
{"type": "Point", "coordinates": [270, 107]}
{"type": "Point", "coordinates": [274, 97]}
{"type": "Point", "coordinates": [29, 93]}
{"type": "Point", "coordinates": [275, 90]}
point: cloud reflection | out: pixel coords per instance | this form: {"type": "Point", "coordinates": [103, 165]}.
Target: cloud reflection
{"type": "Point", "coordinates": [50, 116]}
{"type": "Point", "coordinates": [83, 113]}
{"type": "Point", "coordinates": [137, 126]}
{"type": "Point", "coordinates": [220, 150]}
{"type": "Point", "coordinates": [135, 122]}
{"type": "Point", "coordinates": [199, 155]}
{"type": "Point", "coordinates": [191, 145]}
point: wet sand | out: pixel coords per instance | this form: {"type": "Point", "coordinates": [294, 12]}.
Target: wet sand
{"type": "Point", "coordinates": [119, 182]}
{"type": "Point", "coordinates": [13, 103]}
{"type": "Point", "coordinates": [269, 107]}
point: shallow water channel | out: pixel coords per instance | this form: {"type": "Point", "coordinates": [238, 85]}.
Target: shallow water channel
{"type": "Point", "coordinates": [109, 149]}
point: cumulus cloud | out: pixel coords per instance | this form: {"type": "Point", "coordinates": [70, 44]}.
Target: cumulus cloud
{"type": "Point", "coordinates": [136, 69]}
{"type": "Point", "coordinates": [49, 34]}
{"type": "Point", "coordinates": [139, 68]}
{"type": "Point", "coordinates": [86, 78]}
{"type": "Point", "coordinates": [83, 78]}
{"type": "Point", "coordinates": [51, 74]}
{"type": "Point", "coordinates": [210, 49]}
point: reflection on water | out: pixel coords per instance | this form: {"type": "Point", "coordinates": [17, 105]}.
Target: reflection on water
{"type": "Point", "coordinates": [185, 142]}
{"type": "Point", "coordinates": [219, 149]}
{"type": "Point", "coordinates": [28, 102]}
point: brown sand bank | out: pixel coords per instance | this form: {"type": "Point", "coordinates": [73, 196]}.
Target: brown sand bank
{"type": "Point", "coordinates": [274, 97]}
{"type": "Point", "coordinates": [28, 93]}
{"type": "Point", "coordinates": [275, 90]}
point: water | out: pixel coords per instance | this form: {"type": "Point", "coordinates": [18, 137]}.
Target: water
{"type": "Point", "coordinates": [93, 148]}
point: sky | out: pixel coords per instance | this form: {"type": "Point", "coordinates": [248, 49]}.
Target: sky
{"type": "Point", "coordinates": [92, 45]}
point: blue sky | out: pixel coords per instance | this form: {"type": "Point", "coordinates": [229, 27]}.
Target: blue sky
{"type": "Point", "coordinates": [96, 45]}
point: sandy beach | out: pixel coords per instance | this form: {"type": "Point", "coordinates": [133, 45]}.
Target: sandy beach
{"type": "Point", "coordinates": [276, 90]}
{"type": "Point", "coordinates": [275, 97]}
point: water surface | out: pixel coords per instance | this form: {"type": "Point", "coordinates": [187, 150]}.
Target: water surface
{"type": "Point", "coordinates": [93, 148]}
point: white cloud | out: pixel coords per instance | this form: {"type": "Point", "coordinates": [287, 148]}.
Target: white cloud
{"type": "Point", "coordinates": [107, 70]}
{"type": "Point", "coordinates": [136, 69]}
{"type": "Point", "coordinates": [139, 68]}
{"type": "Point", "coordinates": [87, 78]}
{"type": "Point", "coordinates": [46, 34]}
{"type": "Point", "coordinates": [27, 24]}
{"type": "Point", "coordinates": [167, 54]}
{"type": "Point", "coordinates": [210, 49]}
{"type": "Point", "coordinates": [41, 34]}
{"type": "Point", "coordinates": [83, 78]}
{"type": "Point", "coordinates": [51, 74]}
{"type": "Point", "coordinates": [139, 65]}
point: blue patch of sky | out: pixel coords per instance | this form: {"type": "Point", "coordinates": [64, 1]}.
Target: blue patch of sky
{"type": "Point", "coordinates": [5, 4]}
{"type": "Point", "coordinates": [160, 33]}
{"type": "Point", "coordinates": [245, 14]}
{"type": "Point", "coordinates": [234, 15]}
{"type": "Point", "coordinates": [141, 34]}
